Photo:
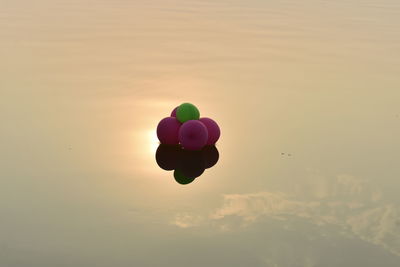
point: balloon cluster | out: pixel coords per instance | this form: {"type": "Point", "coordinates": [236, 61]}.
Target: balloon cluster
{"type": "Point", "coordinates": [185, 127]}
{"type": "Point", "coordinates": [186, 164]}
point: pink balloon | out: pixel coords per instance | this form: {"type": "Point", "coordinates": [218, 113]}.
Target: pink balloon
{"type": "Point", "coordinates": [173, 113]}
{"type": "Point", "coordinates": [213, 130]}
{"type": "Point", "coordinates": [193, 135]}
{"type": "Point", "coordinates": [168, 131]}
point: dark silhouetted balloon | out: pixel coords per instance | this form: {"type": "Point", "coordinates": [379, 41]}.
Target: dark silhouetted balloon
{"type": "Point", "coordinates": [191, 163]}
{"type": "Point", "coordinates": [188, 164]}
{"type": "Point", "coordinates": [167, 156]}
{"type": "Point", "coordinates": [181, 178]}
{"type": "Point", "coordinates": [211, 156]}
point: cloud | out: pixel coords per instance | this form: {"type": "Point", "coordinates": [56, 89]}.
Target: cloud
{"type": "Point", "coordinates": [349, 203]}
{"type": "Point", "coordinates": [252, 206]}
{"type": "Point", "coordinates": [379, 225]}
{"type": "Point", "coordinates": [186, 220]}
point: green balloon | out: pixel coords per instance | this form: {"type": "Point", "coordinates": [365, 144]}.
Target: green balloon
{"type": "Point", "coordinates": [181, 178]}
{"type": "Point", "coordinates": [186, 112]}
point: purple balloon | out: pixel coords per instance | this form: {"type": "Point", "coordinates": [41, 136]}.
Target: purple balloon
{"type": "Point", "coordinates": [213, 130]}
{"type": "Point", "coordinates": [173, 113]}
{"type": "Point", "coordinates": [193, 135]}
{"type": "Point", "coordinates": [168, 131]}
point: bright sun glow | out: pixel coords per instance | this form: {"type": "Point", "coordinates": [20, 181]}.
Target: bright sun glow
{"type": "Point", "coordinates": [153, 141]}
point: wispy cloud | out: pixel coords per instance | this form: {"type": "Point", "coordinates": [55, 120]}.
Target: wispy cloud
{"type": "Point", "coordinates": [186, 220]}
{"type": "Point", "coordinates": [252, 206]}
{"type": "Point", "coordinates": [344, 205]}
{"type": "Point", "coordinates": [348, 202]}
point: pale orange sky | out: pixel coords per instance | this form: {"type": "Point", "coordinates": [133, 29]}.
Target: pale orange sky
{"type": "Point", "coordinates": [317, 79]}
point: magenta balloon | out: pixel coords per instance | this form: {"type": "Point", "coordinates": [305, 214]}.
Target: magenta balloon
{"type": "Point", "coordinates": [168, 131]}
{"type": "Point", "coordinates": [213, 130]}
{"type": "Point", "coordinates": [173, 113]}
{"type": "Point", "coordinates": [193, 135]}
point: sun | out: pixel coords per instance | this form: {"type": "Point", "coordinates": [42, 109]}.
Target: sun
{"type": "Point", "coordinates": [152, 141]}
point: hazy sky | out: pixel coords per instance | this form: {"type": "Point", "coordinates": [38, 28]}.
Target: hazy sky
{"type": "Point", "coordinates": [84, 83]}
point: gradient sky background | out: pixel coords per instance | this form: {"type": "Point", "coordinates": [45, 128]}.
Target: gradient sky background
{"type": "Point", "coordinates": [84, 83]}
